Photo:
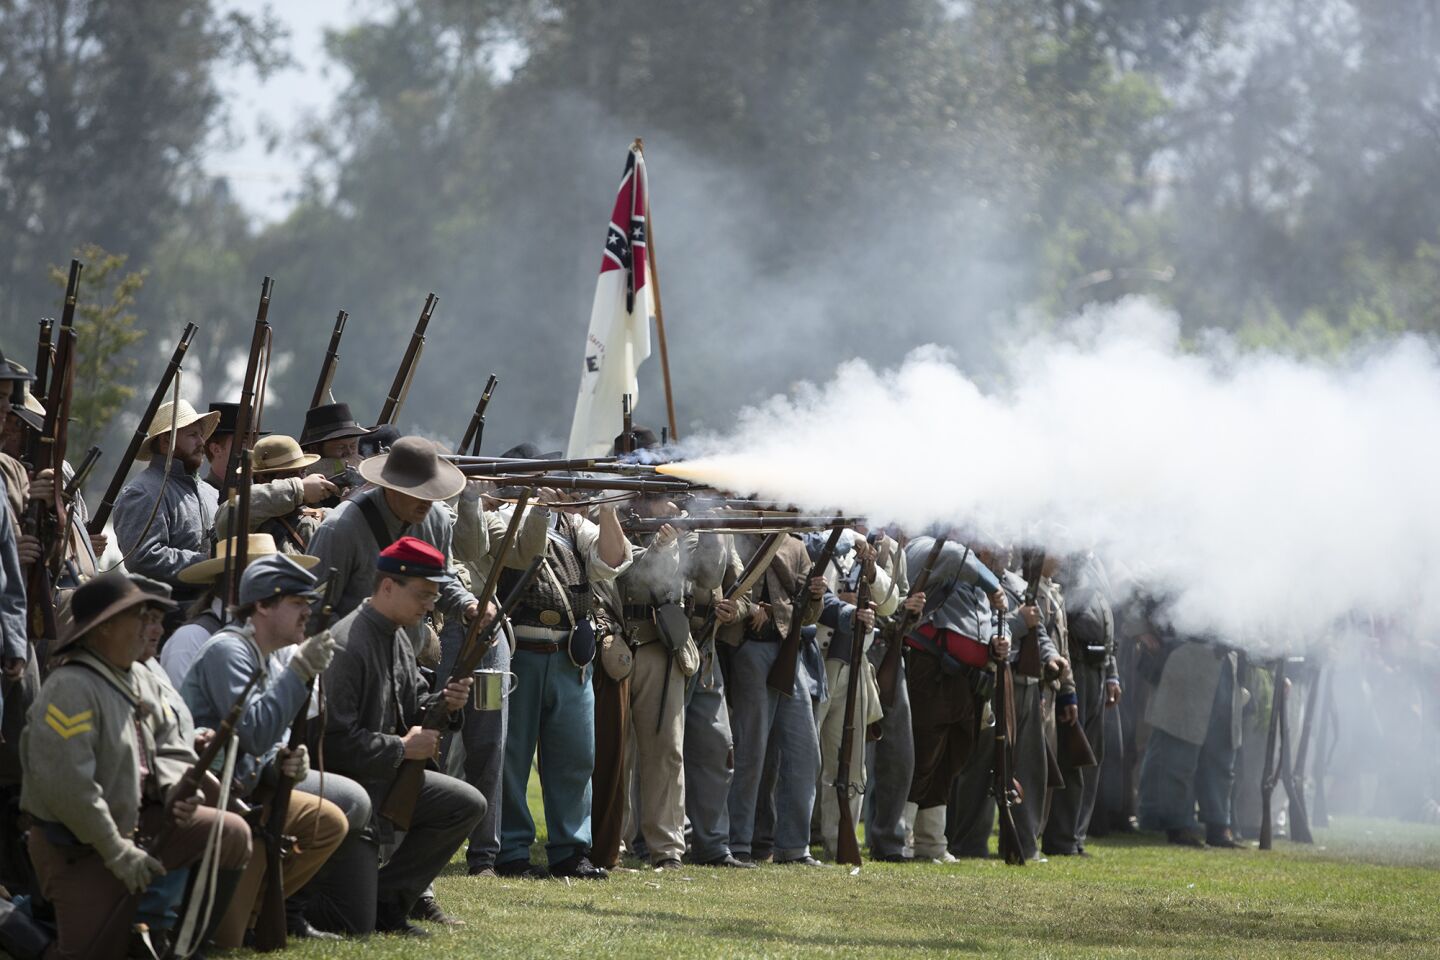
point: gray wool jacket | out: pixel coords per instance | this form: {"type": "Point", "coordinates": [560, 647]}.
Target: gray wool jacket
{"type": "Point", "coordinates": [181, 532]}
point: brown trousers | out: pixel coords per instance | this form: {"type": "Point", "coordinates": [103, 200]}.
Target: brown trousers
{"type": "Point", "coordinates": [609, 781]}
{"type": "Point", "coordinates": [659, 755]}
{"type": "Point", "coordinates": [93, 910]}
{"type": "Point", "coordinates": [318, 827]}
{"type": "Point", "coordinates": [946, 718]}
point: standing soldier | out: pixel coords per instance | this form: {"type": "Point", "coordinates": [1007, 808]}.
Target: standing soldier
{"type": "Point", "coordinates": [1097, 689]}
{"type": "Point", "coordinates": [104, 753]}
{"type": "Point", "coordinates": [890, 760]}
{"type": "Point", "coordinates": [760, 715]}
{"type": "Point", "coordinates": [948, 680]}
{"type": "Point", "coordinates": [283, 495]}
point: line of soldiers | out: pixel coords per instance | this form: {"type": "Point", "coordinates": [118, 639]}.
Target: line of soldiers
{"type": "Point", "coordinates": [635, 676]}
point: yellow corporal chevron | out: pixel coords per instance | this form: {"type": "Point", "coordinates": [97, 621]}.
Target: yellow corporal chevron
{"type": "Point", "coordinates": [68, 726]}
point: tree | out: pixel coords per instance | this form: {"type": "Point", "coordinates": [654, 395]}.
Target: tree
{"type": "Point", "coordinates": [105, 329]}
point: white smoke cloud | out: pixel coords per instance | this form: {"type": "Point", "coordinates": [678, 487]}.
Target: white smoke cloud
{"type": "Point", "coordinates": [1272, 497]}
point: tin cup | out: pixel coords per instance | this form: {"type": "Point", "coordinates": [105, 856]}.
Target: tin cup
{"type": "Point", "coordinates": [489, 690]}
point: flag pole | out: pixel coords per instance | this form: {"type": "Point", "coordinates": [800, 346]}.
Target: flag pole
{"type": "Point", "coordinates": [639, 147]}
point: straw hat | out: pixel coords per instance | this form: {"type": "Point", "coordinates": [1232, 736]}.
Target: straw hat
{"type": "Point", "coordinates": [102, 599]}
{"type": "Point", "coordinates": [257, 545]}
{"type": "Point", "coordinates": [279, 454]}
{"type": "Point", "coordinates": [414, 468]}
{"type": "Point", "coordinates": [184, 415]}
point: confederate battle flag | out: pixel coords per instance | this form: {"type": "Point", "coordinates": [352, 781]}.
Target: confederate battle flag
{"type": "Point", "coordinates": [619, 336]}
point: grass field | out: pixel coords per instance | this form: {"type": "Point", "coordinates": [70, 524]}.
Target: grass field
{"type": "Point", "coordinates": [1368, 888]}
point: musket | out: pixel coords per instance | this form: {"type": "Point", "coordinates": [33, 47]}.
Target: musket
{"type": "Point", "coordinates": [586, 483]}
{"type": "Point", "coordinates": [400, 386]}
{"type": "Point", "coordinates": [750, 574]}
{"type": "Point", "coordinates": [399, 805]}
{"type": "Point", "coordinates": [237, 557]}
{"type": "Point", "coordinates": [44, 356]}
{"type": "Point", "coordinates": [246, 423]}
{"type": "Point", "coordinates": [781, 678]}
{"type": "Point", "coordinates": [1029, 664]}
{"type": "Point", "coordinates": [470, 442]}
{"type": "Point", "coordinates": [82, 473]}
{"type": "Point", "coordinates": [57, 436]}
{"type": "Point", "coordinates": [847, 848]}
{"type": "Point", "coordinates": [887, 677]}
{"type": "Point", "coordinates": [189, 784]}
{"type": "Point", "coordinates": [1298, 818]}
{"type": "Point", "coordinates": [747, 524]}
{"type": "Point", "coordinates": [270, 922]}
{"type": "Point", "coordinates": [1271, 775]}
{"type": "Point", "coordinates": [488, 466]}
{"type": "Point", "coordinates": [332, 360]}
{"type": "Point", "coordinates": [1005, 789]}
{"type": "Point", "coordinates": [117, 481]}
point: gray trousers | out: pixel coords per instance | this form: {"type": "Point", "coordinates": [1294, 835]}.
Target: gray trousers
{"type": "Point", "coordinates": [481, 751]}
{"type": "Point", "coordinates": [1030, 766]}
{"type": "Point", "coordinates": [446, 813]}
{"type": "Point", "coordinates": [1071, 808]}
{"type": "Point", "coordinates": [759, 716]}
{"type": "Point", "coordinates": [709, 763]}
{"type": "Point", "coordinates": [891, 762]}
{"type": "Point", "coordinates": [1175, 774]}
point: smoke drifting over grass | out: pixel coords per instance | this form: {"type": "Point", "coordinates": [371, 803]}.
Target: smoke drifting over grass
{"type": "Point", "coordinates": [1271, 497]}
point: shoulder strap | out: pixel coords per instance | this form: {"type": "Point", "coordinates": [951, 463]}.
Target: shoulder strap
{"type": "Point", "coordinates": [378, 530]}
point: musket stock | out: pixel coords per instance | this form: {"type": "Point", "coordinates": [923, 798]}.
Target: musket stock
{"type": "Point", "coordinates": [400, 386]}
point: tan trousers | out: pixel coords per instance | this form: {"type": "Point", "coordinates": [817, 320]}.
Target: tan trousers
{"type": "Point", "coordinates": [318, 827]}
{"type": "Point", "coordinates": [832, 730]}
{"type": "Point", "coordinates": [659, 755]}
{"type": "Point", "coordinates": [93, 910]}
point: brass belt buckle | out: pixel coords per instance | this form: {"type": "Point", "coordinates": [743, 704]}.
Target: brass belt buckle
{"type": "Point", "coordinates": [551, 618]}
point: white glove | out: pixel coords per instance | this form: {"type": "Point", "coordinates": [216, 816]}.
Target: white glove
{"type": "Point", "coordinates": [314, 655]}
{"type": "Point", "coordinates": [296, 765]}
{"type": "Point", "coordinates": [133, 867]}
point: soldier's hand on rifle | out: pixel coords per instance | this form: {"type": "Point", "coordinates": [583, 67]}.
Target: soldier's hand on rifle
{"type": "Point", "coordinates": [866, 617]}
{"type": "Point", "coordinates": [472, 609]}
{"type": "Point", "coordinates": [28, 547]}
{"type": "Point", "coordinates": [14, 667]}
{"type": "Point", "coordinates": [316, 488]}
{"type": "Point", "coordinates": [421, 744]}
{"type": "Point", "coordinates": [1000, 647]}
{"type": "Point", "coordinates": [203, 736]}
{"type": "Point", "coordinates": [727, 610]}
{"type": "Point", "coordinates": [98, 543]}
{"type": "Point", "coordinates": [759, 616]}
{"type": "Point", "coordinates": [456, 693]}
{"type": "Point", "coordinates": [42, 486]}
{"type": "Point", "coordinates": [314, 655]}
{"type": "Point", "coordinates": [915, 603]}
{"type": "Point", "coordinates": [133, 867]}
{"type": "Point", "coordinates": [1070, 713]}
{"type": "Point", "coordinates": [818, 586]}
{"type": "Point", "coordinates": [1031, 616]}
{"type": "Point", "coordinates": [183, 808]}
{"type": "Point", "coordinates": [1112, 692]}
{"type": "Point", "coordinates": [1055, 668]}
{"type": "Point", "coordinates": [998, 601]}
{"type": "Point", "coordinates": [864, 551]}
{"type": "Point", "coordinates": [665, 535]}
{"type": "Point", "coordinates": [294, 764]}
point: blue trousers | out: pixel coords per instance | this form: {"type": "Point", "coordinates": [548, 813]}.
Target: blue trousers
{"type": "Point", "coordinates": [552, 709]}
{"type": "Point", "coordinates": [759, 714]}
{"type": "Point", "coordinates": [1175, 775]}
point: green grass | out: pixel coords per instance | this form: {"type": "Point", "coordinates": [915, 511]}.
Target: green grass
{"type": "Point", "coordinates": [1367, 888]}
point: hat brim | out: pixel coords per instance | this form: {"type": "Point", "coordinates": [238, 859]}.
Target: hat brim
{"type": "Point", "coordinates": [136, 599]}
{"type": "Point", "coordinates": [207, 421]}
{"type": "Point", "coordinates": [207, 570]}
{"type": "Point", "coordinates": [30, 418]}
{"type": "Point", "coordinates": [447, 482]}
{"type": "Point", "coordinates": [306, 460]}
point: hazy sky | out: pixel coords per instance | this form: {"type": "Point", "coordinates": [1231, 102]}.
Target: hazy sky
{"type": "Point", "coordinates": [260, 178]}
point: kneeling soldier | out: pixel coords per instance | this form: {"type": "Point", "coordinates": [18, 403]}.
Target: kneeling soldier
{"type": "Point", "coordinates": [103, 753]}
{"type": "Point", "coordinates": [275, 595]}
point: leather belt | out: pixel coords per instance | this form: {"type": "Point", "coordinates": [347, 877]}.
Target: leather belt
{"type": "Point", "coordinates": [538, 646]}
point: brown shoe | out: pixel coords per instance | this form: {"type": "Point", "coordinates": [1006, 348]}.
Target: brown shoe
{"type": "Point", "coordinates": [1185, 838]}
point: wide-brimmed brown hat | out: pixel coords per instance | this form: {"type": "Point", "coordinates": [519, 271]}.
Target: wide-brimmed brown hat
{"type": "Point", "coordinates": [184, 415]}
{"type": "Point", "coordinates": [279, 454]}
{"type": "Point", "coordinates": [413, 467]}
{"type": "Point", "coordinates": [257, 545]}
{"type": "Point", "coordinates": [102, 599]}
